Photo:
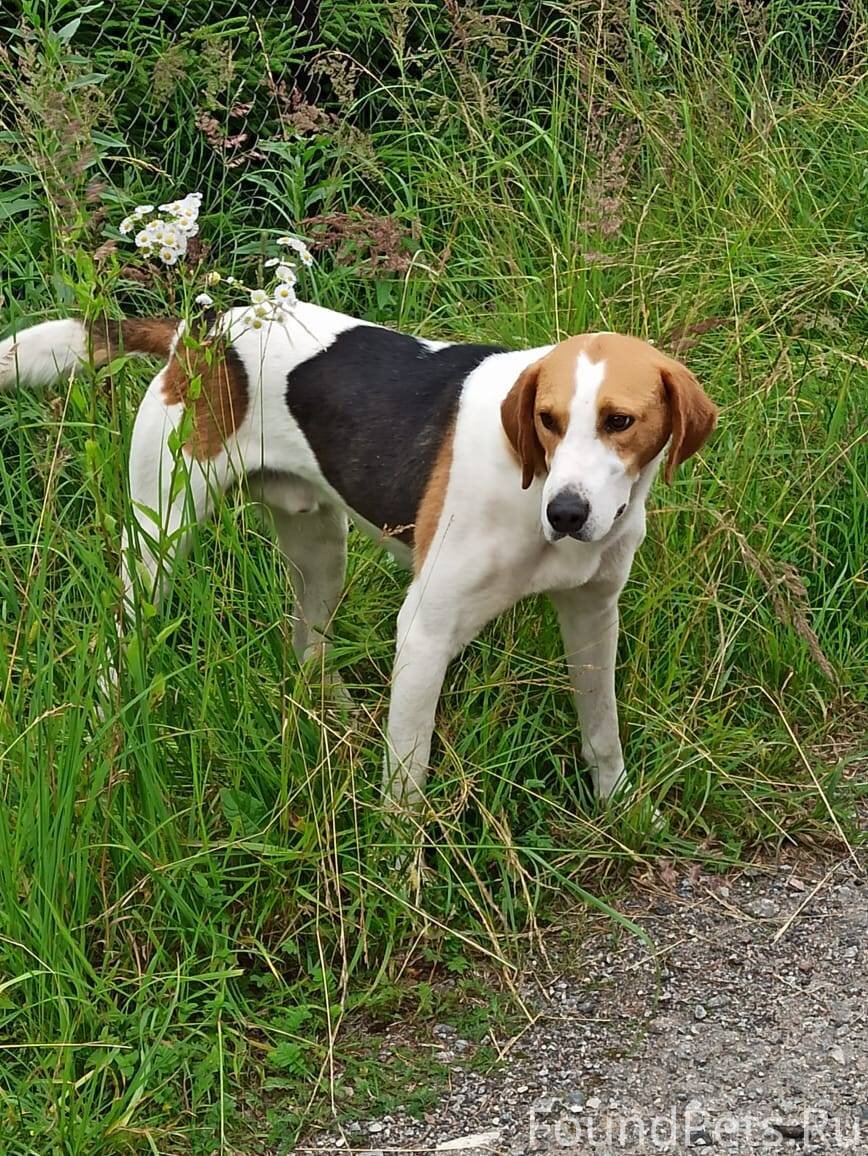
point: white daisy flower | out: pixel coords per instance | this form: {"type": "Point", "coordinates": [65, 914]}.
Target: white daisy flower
{"type": "Point", "coordinates": [191, 204]}
{"type": "Point", "coordinates": [262, 310]}
{"type": "Point", "coordinates": [286, 273]}
{"type": "Point", "coordinates": [143, 239]}
{"type": "Point", "coordinates": [285, 295]}
{"type": "Point", "coordinates": [143, 210]}
{"type": "Point", "coordinates": [257, 296]}
{"type": "Point", "coordinates": [204, 299]}
{"type": "Point", "coordinates": [168, 255]}
{"type": "Point", "coordinates": [256, 323]}
{"type": "Point", "coordinates": [127, 225]}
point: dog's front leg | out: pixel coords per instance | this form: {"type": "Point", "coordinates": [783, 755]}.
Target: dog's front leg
{"type": "Point", "coordinates": [589, 624]}
{"type": "Point", "coordinates": [422, 653]}
{"type": "Point", "coordinates": [440, 615]}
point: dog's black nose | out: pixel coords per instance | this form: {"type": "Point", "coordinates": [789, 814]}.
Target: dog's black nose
{"type": "Point", "coordinates": [567, 512]}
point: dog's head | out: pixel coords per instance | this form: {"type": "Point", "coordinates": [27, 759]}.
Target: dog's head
{"type": "Point", "coordinates": [590, 416]}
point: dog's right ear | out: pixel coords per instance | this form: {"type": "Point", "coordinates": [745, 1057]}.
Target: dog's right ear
{"type": "Point", "coordinates": [517, 415]}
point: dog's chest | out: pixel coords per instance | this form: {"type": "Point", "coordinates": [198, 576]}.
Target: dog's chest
{"type": "Point", "coordinates": [565, 565]}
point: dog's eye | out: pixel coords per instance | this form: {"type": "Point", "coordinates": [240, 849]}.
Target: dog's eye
{"type": "Point", "coordinates": [616, 422]}
{"type": "Point", "coordinates": [548, 420]}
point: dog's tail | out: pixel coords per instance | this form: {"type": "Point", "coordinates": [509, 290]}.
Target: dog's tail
{"type": "Point", "coordinates": [56, 349]}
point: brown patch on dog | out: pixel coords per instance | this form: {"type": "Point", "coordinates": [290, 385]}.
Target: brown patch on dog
{"type": "Point", "coordinates": [110, 339]}
{"type": "Point", "coordinates": [660, 394]}
{"type": "Point", "coordinates": [431, 506]}
{"type": "Point", "coordinates": [633, 387]}
{"type": "Point", "coordinates": [221, 391]}
{"type": "Point", "coordinates": [555, 391]}
{"type": "Point", "coordinates": [212, 379]}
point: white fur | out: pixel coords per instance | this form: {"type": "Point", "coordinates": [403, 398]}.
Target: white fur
{"type": "Point", "coordinates": [42, 353]}
{"type": "Point", "coordinates": [492, 545]}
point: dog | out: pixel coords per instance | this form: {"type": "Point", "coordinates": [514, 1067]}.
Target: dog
{"type": "Point", "coordinates": [492, 474]}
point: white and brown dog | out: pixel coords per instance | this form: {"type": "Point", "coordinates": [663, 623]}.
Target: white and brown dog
{"type": "Point", "coordinates": [494, 474]}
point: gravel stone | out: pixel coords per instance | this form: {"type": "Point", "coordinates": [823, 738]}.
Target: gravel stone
{"type": "Point", "coordinates": [780, 1066]}
{"type": "Point", "coordinates": [790, 1131]}
{"type": "Point", "coordinates": [700, 1138]}
{"type": "Point", "coordinates": [763, 908]}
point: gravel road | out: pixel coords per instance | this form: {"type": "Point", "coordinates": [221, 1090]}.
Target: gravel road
{"type": "Point", "coordinates": [742, 1030]}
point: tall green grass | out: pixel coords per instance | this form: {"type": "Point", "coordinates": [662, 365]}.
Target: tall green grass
{"type": "Point", "coordinates": [198, 894]}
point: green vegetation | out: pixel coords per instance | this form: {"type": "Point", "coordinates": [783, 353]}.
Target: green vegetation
{"type": "Point", "coordinates": [199, 914]}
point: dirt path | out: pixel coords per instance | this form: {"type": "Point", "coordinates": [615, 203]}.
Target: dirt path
{"type": "Point", "coordinates": [744, 1030]}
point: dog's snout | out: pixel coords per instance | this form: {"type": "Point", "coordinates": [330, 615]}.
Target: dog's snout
{"type": "Point", "coordinates": [567, 512]}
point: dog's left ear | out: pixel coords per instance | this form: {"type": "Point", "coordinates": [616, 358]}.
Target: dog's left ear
{"type": "Point", "coordinates": [693, 414]}
{"type": "Point", "coordinates": [517, 416]}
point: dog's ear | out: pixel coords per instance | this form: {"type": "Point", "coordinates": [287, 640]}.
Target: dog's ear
{"type": "Point", "coordinates": [517, 415]}
{"type": "Point", "coordinates": [692, 413]}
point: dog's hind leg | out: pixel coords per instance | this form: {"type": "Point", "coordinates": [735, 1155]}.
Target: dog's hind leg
{"type": "Point", "coordinates": [313, 538]}
{"type": "Point", "coordinates": [171, 491]}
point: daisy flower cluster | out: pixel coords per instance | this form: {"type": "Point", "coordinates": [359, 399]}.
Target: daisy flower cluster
{"type": "Point", "coordinates": [165, 231]}
{"type": "Point", "coordinates": [164, 236]}
{"type": "Point", "coordinates": [278, 300]}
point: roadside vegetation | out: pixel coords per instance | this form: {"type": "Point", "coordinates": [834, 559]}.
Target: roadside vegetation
{"type": "Point", "coordinates": [201, 923]}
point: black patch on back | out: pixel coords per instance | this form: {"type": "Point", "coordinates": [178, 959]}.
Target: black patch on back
{"type": "Point", "coordinates": [375, 407]}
